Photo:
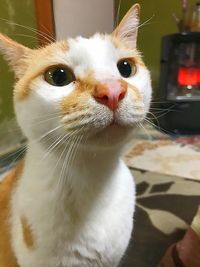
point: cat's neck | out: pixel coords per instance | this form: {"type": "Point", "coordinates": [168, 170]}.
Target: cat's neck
{"type": "Point", "coordinates": [87, 177]}
{"type": "Point", "coordinates": [85, 165]}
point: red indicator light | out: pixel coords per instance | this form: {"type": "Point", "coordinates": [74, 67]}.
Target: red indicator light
{"type": "Point", "coordinates": [188, 76]}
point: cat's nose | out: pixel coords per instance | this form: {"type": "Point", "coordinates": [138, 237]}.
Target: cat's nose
{"type": "Point", "coordinates": [110, 93]}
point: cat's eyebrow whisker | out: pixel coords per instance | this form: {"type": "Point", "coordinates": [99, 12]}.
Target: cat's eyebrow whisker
{"type": "Point", "coordinates": [24, 35]}
{"type": "Point", "coordinates": [44, 35]}
{"type": "Point", "coordinates": [117, 15]}
{"type": "Point", "coordinates": [146, 22]}
{"type": "Point", "coordinates": [49, 34]}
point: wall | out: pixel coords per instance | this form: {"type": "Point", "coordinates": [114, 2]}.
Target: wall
{"type": "Point", "coordinates": [162, 23]}
{"type": "Point", "coordinates": [20, 12]}
{"type": "Point", "coordinates": [84, 17]}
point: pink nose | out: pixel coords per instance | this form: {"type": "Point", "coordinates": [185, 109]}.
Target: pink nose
{"type": "Point", "coordinates": [110, 92]}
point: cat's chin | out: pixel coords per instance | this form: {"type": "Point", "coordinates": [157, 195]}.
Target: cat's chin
{"type": "Point", "coordinates": [112, 136]}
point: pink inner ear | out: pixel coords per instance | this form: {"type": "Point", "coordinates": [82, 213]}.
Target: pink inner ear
{"type": "Point", "coordinates": [128, 27]}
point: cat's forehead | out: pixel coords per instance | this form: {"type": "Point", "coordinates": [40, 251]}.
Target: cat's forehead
{"type": "Point", "coordinates": [97, 44]}
{"type": "Point", "coordinates": [98, 53]}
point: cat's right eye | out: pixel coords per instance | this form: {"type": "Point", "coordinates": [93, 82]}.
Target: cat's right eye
{"type": "Point", "coordinates": [59, 76]}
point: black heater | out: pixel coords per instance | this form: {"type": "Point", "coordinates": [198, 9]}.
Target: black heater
{"type": "Point", "coordinates": [179, 88]}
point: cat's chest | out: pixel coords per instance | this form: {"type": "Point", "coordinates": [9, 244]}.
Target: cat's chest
{"type": "Point", "coordinates": [101, 241]}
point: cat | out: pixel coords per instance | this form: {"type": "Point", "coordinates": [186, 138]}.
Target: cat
{"type": "Point", "coordinates": [70, 202]}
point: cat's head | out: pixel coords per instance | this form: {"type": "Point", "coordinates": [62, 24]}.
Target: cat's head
{"type": "Point", "coordinates": [97, 87]}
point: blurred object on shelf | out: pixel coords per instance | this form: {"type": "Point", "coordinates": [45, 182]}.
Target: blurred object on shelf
{"type": "Point", "coordinates": [179, 88]}
{"type": "Point", "coordinates": [190, 21]}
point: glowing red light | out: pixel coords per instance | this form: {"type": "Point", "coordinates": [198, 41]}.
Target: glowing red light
{"type": "Point", "coordinates": [188, 76]}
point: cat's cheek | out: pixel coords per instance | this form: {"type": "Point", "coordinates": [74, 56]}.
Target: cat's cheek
{"type": "Point", "coordinates": [49, 93]}
{"type": "Point", "coordinates": [35, 116]}
{"type": "Point", "coordinates": [142, 80]}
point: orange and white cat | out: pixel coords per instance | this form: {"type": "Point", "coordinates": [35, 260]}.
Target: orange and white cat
{"type": "Point", "coordinates": [70, 203]}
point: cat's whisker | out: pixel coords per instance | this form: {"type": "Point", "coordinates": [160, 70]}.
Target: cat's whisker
{"type": "Point", "coordinates": [45, 117]}
{"type": "Point", "coordinates": [63, 173]}
{"type": "Point", "coordinates": [118, 12]}
{"type": "Point", "coordinates": [158, 127]}
{"type": "Point", "coordinates": [150, 137]}
{"type": "Point", "coordinates": [68, 161]}
{"type": "Point", "coordinates": [48, 115]}
{"type": "Point", "coordinates": [77, 124]}
{"type": "Point", "coordinates": [61, 139]}
{"type": "Point", "coordinates": [47, 133]}
{"type": "Point", "coordinates": [19, 155]}
{"type": "Point", "coordinates": [63, 155]}
{"type": "Point", "coordinates": [71, 147]}
{"type": "Point", "coordinates": [77, 115]}
{"type": "Point", "coordinates": [75, 150]}
{"type": "Point", "coordinates": [53, 146]}
{"type": "Point", "coordinates": [38, 122]}
{"type": "Point", "coordinates": [155, 109]}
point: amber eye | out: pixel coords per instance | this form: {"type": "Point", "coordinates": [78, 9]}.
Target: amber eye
{"type": "Point", "coordinates": [59, 76]}
{"type": "Point", "coordinates": [126, 67]}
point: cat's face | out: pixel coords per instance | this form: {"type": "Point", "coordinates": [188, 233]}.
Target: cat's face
{"type": "Point", "coordinates": [98, 88]}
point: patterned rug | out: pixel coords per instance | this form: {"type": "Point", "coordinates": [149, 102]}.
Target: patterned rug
{"type": "Point", "coordinates": [177, 156]}
{"type": "Point", "coordinates": [166, 206]}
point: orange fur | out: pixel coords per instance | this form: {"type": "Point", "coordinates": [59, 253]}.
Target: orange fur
{"type": "Point", "coordinates": [7, 258]}
{"type": "Point", "coordinates": [77, 101]}
{"type": "Point", "coordinates": [136, 9]}
{"type": "Point", "coordinates": [27, 233]}
{"type": "Point", "coordinates": [38, 60]}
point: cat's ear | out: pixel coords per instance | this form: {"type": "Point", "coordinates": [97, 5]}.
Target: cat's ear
{"type": "Point", "coordinates": [15, 54]}
{"type": "Point", "coordinates": [127, 30]}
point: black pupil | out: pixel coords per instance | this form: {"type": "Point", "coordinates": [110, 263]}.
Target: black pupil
{"type": "Point", "coordinates": [59, 77]}
{"type": "Point", "coordinates": [124, 68]}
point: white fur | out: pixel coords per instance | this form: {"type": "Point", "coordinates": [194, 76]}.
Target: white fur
{"type": "Point", "coordinates": [87, 221]}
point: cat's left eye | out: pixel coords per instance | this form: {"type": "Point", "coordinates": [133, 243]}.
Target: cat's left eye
{"type": "Point", "coordinates": [126, 67]}
{"type": "Point", "coordinates": [59, 76]}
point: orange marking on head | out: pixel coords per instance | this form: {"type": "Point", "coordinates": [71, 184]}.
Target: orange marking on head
{"type": "Point", "coordinates": [132, 54]}
{"type": "Point", "coordinates": [7, 257]}
{"type": "Point", "coordinates": [118, 44]}
{"type": "Point", "coordinates": [39, 60]}
{"type": "Point", "coordinates": [27, 233]}
{"type": "Point", "coordinates": [77, 100]}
